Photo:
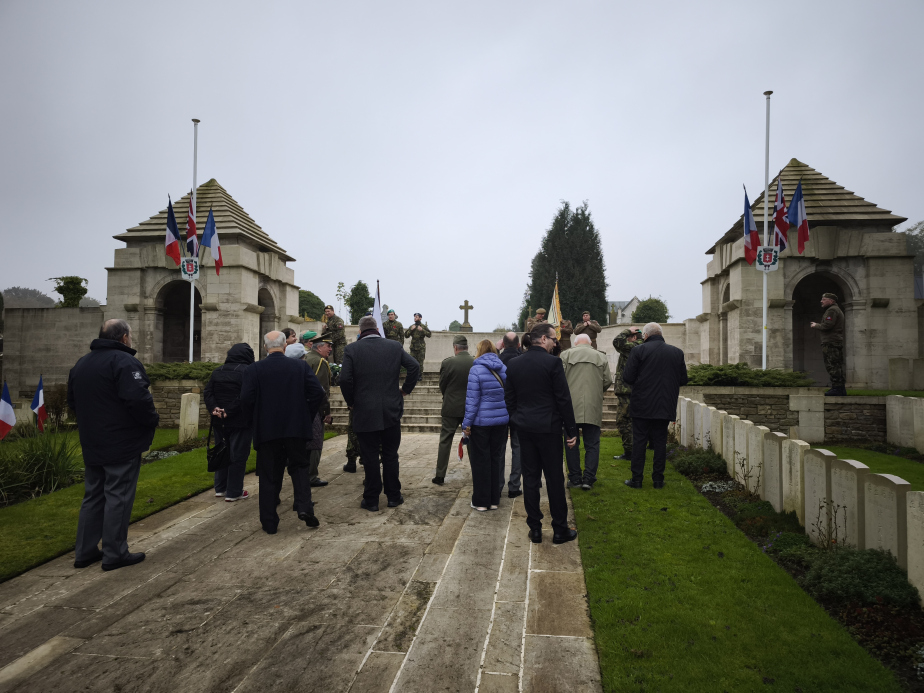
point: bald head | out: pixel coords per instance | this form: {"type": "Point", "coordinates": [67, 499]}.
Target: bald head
{"type": "Point", "coordinates": [511, 340]}
{"type": "Point", "coordinates": [581, 339]}
{"type": "Point", "coordinates": [274, 341]}
{"type": "Point", "coordinates": [116, 330]}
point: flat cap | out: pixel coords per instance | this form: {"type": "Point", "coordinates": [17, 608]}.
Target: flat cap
{"type": "Point", "coordinates": [833, 297]}
{"type": "Point", "coordinates": [541, 311]}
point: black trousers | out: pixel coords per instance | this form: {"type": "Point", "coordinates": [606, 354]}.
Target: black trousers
{"type": "Point", "coordinates": [272, 459]}
{"type": "Point", "coordinates": [109, 495]}
{"type": "Point", "coordinates": [644, 430]}
{"type": "Point", "coordinates": [541, 453]}
{"type": "Point", "coordinates": [486, 449]}
{"type": "Point", "coordinates": [369, 442]}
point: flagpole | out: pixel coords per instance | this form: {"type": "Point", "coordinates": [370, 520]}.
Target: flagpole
{"type": "Point", "coordinates": [192, 282]}
{"type": "Point", "coordinates": [763, 355]}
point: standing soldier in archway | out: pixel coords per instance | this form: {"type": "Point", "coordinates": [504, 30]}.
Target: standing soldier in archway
{"type": "Point", "coordinates": [336, 332]}
{"type": "Point", "coordinates": [832, 344]}
{"type": "Point", "coordinates": [624, 343]}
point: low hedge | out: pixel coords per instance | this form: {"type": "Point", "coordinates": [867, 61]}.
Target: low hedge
{"type": "Point", "coordinates": [198, 370]}
{"type": "Point", "coordinates": [740, 374]}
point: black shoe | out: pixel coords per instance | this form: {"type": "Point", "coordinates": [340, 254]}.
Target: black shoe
{"type": "Point", "coordinates": [309, 519]}
{"type": "Point", "coordinates": [657, 484]}
{"type": "Point", "coordinates": [514, 494]}
{"type": "Point", "coordinates": [270, 531]}
{"type": "Point", "coordinates": [130, 559]}
{"type": "Point", "coordinates": [395, 503]}
{"type": "Point", "coordinates": [624, 456]}
{"type": "Point", "coordinates": [350, 467]}
{"type": "Point", "coordinates": [570, 535]}
{"type": "Point", "coordinates": [98, 556]}
{"type": "Point", "coordinates": [535, 536]}
{"type": "Point", "coordinates": [366, 506]}
{"type": "Point", "coordinates": [631, 483]}
{"type": "Point", "coordinates": [573, 484]}
{"type": "Point", "coordinates": [586, 486]}
{"type": "Point", "coordinates": [318, 482]}
{"type": "Point", "coordinates": [438, 480]}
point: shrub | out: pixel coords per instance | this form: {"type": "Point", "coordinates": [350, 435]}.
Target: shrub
{"type": "Point", "coordinates": [848, 576]}
{"type": "Point", "coordinates": [56, 405]}
{"type": "Point", "coordinates": [694, 463]}
{"type": "Point", "coordinates": [791, 549]}
{"type": "Point", "coordinates": [743, 375]}
{"type": "Point", "coordinates": [198, 370]}
{"type": "Point", "coordinates": [759, 519]}
{"type": "Point", "coordinates": [37, 464]}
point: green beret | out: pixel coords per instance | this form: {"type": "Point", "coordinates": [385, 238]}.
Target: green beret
{"type": "Point", "coordinates": [309, 335]}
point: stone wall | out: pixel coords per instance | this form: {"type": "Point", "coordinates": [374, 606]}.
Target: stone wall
{"type": "Point", "coordinates": [859, 422]}
{"type": "Point", "coordinates": [771, 411]}
{"type": "Point", "coordinates": [167, 394]}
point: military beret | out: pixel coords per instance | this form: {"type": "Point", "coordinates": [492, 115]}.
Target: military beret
{"type": "Point", "coordinates": [328, 307]}
{"type": "Point", "coordinates": [460, 340]}
{"type": "Point", "coordinates": [418, 315]}
{"type": "Point", "coordinates": [833, 297]}
{"type": "Point", "coordinates": [540, 311]}
{"type": "Point", "coordinates": [390, 311]}
{"type": "Point", "coordinates": [309, 335]}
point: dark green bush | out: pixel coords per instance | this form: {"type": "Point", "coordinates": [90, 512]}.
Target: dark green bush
{"type": "Point", "coordinates": [694, 463]}
{"type": "Point", "coordinates": [791, 549]}
{"type": "Point", "coordinates": [743, 375]}
{"type": "Point", "coordinates": [38, 463]}
{"type": "Point", "coordinates": [198, 370]}
{"type": "Point", "coordinates": [759, 519]}
{"type": "Point", "coordinates": [848, 576]}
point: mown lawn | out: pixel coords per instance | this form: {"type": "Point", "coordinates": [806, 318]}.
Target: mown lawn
{"type": "Point", "coordinates": [885, 393]}
{"type": "Point", "coordinates": [881, 463]}
{"type": "Point", "coordinates": [35, 531]}
{"type": "Point", "coordinates": [682, 601]}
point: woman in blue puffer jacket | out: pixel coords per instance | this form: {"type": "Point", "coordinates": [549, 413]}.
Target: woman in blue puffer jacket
{"type": "Point", "coordinates": [485, 426]}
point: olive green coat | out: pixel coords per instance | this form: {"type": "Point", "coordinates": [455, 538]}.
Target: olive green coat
{"type": "Point", "coordinates": [454, 383]}
{"type": "Point", "coordinates": [588, 374]}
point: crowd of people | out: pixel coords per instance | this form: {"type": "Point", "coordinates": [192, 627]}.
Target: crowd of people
{"type": "Point", "coordinates": [529, 391]}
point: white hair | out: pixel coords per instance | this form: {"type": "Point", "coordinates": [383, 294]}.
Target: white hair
{"type": "Point", "coordinates": [276, 342]}
{"type": "Point", "coordinates": [581, 339]}
{"type": "Point", "coordinates": [650, 329]}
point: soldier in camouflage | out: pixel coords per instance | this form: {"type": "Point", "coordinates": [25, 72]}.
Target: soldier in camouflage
{"type": "Point", "coordinates": [624, 343]}
{"type": "Point", "coordinates": [394, 330]}
{"type": "Point", "coordinates": [535, 320]}
{"type": "Point", "coordinates": [418, 332]}
{"type": "Point", "coordinates": [336, 332]}
{"type": "Point", "coordinates": [832, 344]}
{"type": "Point", "coordinates": [352, 448]}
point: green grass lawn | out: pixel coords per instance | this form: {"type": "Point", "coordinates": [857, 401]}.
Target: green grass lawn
{"type": "Point", "coordinates": [881, 463]}
{"type": "Point", "coordinates": [682, 601]}
{"type": "Point", "coordinates": [38, 530]}
{"type": "Point", "coordinates": [884, 393]}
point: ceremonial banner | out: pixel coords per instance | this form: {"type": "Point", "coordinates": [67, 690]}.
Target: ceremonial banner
{"type": "Point", "coordinates": [377, 309]}
{"type": "Point", "coordinates": [555, 312]}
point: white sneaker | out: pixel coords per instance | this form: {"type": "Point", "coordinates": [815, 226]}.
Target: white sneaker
{"type": "Point", "coordinates": [219, 494]}
{"type": "Point", "coordinates": [493, 507]}
{"type": "Point", "coordinates": [243, 496]}
{"type": "Point", "coordinates": [478, 508]}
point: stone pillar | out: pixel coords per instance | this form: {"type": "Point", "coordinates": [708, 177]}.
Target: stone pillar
{"type": "Point", "coordinates": [716, 429]}
{"type": "Point", "coordinates": [847, 489]}
{"type": "Point", "coordinates": [728, 442]}
{"type": "Point", "coordinates": [793, 481]}
{"type": "Point", "coordinates": [816, 474]}
{"type": "Point", "coordinates": [772, 477]}
{"type": "Point", "coordinates": [755, 468]}
{"type": "Point", "coordinates": [886, 521]}
{"type": "Point", "coordinates": [741, 449]}
{"type": "Point", "coordinates": [915, 547]}
{"type": "Point", "coordinates": [189, 417]}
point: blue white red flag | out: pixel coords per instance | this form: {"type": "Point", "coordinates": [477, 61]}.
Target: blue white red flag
{"type": "Point", "coordinates": [7, 415]}
{"type": "Point", "coordinates": [210, 241]}
{"type": "Point", "coordinates": [781, 225]}
{"type": "Point", "coordinates": [38, 406]}
{"type": "Point", "coordinates": [192, 240]}
{"type": "Point", "coordinates": [751, 239]}
{"type": "Point", "coordinates": [797, 217]}
{"type": "Point", "coordinates": [172, 243]}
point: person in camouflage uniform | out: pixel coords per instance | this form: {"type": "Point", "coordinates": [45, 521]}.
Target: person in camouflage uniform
{"type": "Point", "coordinates": [418, 332]}
{"type": "Point", "coordinates": [352, 448]}
{"type": "Point", "coordinates": [832, 344]}
{"type": "Point", "coordinates": [336, 333]}
{"type": "Point", "coordinates": [535, 320]}
{"type": "Point", "coordinates": [624, 343]}
{"type": "Point", "coordinates": [393, 329]}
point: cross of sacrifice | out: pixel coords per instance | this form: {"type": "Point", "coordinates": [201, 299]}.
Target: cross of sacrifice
{"type": "Point", "coordinates": [466, 307]}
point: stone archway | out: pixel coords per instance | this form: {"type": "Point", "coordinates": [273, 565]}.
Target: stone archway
{"type": "Point", "coordinates": [806, 342]}
{"type": "Point", "coordinates": [268, 317]}
{"type": "Point", "coordinates": [172, 330]}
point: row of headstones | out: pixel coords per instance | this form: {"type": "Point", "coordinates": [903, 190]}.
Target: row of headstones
{"type": "Point", "coordinates": [834, 499]}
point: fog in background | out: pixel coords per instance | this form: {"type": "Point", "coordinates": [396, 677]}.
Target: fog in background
{"type": "Point", "coordinates": [428, 145]}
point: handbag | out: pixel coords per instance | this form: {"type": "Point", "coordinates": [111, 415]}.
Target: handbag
{"type": "Point", "coordinates": [218, 456]}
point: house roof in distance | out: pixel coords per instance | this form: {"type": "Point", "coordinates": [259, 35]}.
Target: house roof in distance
{"type": "Point", "coordinates": [230, 219]}
{"type": "Point", "coordinates": [826, 204]}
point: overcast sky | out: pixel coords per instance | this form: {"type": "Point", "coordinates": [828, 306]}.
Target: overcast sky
{"type": "Point", "coordinates": [429, 144]}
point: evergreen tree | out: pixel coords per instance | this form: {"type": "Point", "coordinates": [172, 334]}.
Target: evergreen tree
{"type": "Point", "coordinates": [455, 326]}
{"type": "Point", "coordinates": [359, 301]}
{"type": "Point", "coordinates": [571, 247]}
{"type": "Point", "coordinates": [71, 288]}
{"type": "Point", "coordinates": [650, 310]}
{"type": "Point", "coordinates": [310, 304]}
{"type": "Point", "coordinates": [21, 297]}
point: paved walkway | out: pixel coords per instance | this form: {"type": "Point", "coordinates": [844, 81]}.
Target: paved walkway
{"type": "Point", "coordinates": [430, 596]}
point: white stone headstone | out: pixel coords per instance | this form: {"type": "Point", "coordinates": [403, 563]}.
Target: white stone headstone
{"type": "Point", "coordinates": [917, 420]}
{"type": "Point", "coordinates": [755, 471]}
{"type": "Point", "coordinates": [893, 418]}
{"type": "Point", "coordinates": [772, 478]}
{"type": "Point", "coordinates": [716, 423]}
{"type": "Point", "coordinates": [906, 422]}
{"type": "Point", "coordinates": [914, 504]}
{"type": "Point", "coordinates": [686, 421]}
{"type": "Point", "coordinates": [886, 519]}
{"type": "Point", "coordinates": [729, 427]}
{"type": "Point", "coordinates": [742, 449]}
{"type": "Point", "coordinates": [189, 417]}
{"type": "Point", "coordinates": [697, 441]}
{"type": "Point", "coordinates": [793, 484]}
{"type": "Point", "coordinates": [816, 474]}
{"type": "Point", "coordinates": [847, 494]}
{"type": "Point", "coordinates": [706, 442]}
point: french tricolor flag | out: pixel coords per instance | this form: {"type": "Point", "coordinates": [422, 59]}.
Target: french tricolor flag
{"type": "Point", "coordinates": [38, 406]}
{"type": "Point", "coordinates": [751, 239]}
{"type": "Point", "coordinates": [172, 242]}
{"type": "Point", "coordinates": [210, 241]}
{"type": "Point", "coordinates": [798, 218]}
{"type": "Point", "coordinates": [781, 225]}
{"type": "Point", "coordinates": [7, 415]}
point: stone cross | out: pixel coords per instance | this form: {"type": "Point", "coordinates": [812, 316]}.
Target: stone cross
{"type": "Point", "coordinates": [465, 325]}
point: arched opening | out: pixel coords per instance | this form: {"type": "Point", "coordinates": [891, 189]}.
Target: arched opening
{"type": "Point", "coordinates": [267, 317]}
{"type": "Point", "coordinates": [806, 309]}
{"type": "Point", "coordinates": [723, 326]}
{"type": "Point", "coordinates": [173, 316]}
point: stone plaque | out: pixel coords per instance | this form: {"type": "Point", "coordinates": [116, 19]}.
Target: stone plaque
{"type": "Point", "coordinates": [772, 484]}
{"type": "Point", "coordinates": [886, 522]}
{"type": "Point", "coordinates": [816, 475]}
{"type": "Point", "coordinates": [792, 481]}
{"type": "Point", "coordinates": [847, 493]}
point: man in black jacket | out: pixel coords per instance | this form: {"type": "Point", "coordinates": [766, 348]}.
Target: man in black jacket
{"type": "Point", "coordinates": [116, 418]}
{"type": "Point", "coordinates": [369, 384]}
{"type": "Point", "coordinates": [281, 397]}
{"type": "Point", "coordinates": [655, 370]}
{"type": "Point", "coordinates": [539, 404]}
{"type": "Point", "coordinates": [223, 400]}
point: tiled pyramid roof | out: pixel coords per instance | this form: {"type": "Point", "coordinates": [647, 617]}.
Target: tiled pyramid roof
{"type": "Point", "coordinates": [230, 219]}
{"type": "Point", "coordinates": [826, 204]}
